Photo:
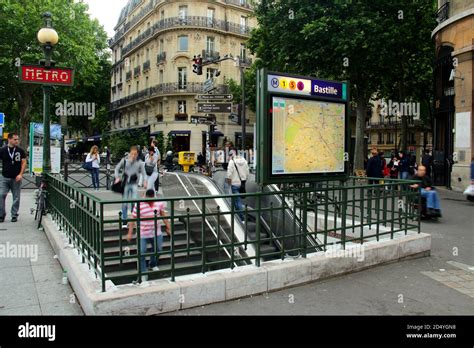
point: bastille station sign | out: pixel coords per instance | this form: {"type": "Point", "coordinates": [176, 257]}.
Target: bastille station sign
{"type": "Point", "coordinates": [46, 76]}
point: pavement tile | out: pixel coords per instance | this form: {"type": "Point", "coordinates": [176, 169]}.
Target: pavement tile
{"type": "Point", "coordinates": [18, 296]}
{"type": "Point", "coordinates": [47, 273]}
{"type": "Point", "coordinates": [51, 292]}
{"type": "Point", "coordinates": [16, 276]}
{"type": "Point", "coordinates": [24, 310]}
{"type": "Point", "coordinates": [13, 262]}
{"type": "Point", "coordinates": [61, 308]}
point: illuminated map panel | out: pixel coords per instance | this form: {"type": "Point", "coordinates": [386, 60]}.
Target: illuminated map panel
{"type": "Point", "coordinates": [308, 136]}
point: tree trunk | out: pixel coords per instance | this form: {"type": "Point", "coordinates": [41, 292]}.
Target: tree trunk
{"type": "Point", "coordinates": [360, 150]}
{"type": "Point", "coordinates": [24, 106]}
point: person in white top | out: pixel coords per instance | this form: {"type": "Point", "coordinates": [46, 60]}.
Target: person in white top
{"type": "Point", "coordinates": [94, 157]}
{"type": "Point", "coordinates": [237, 174]}
{"type": "Point", "coordinates": [151, 167]}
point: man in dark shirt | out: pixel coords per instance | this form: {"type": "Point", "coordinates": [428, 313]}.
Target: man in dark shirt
{"type": "Point", "coordinates": [13, 166]}
{"type": "Point", "coordinates": [374, 167]}
{"type": "Point", "coordinates": [427, 161]}
{"type": "Point", "coordinates": [427, 191]}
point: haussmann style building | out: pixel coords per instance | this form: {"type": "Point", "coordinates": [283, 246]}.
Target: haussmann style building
{"type": "Point", "coordinates": [153, 85]}
{"type": "Point", "coordinates": [453, 119]}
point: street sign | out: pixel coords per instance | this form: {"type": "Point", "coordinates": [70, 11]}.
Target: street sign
{"type": "Point", "coordinates": [223, 97]}
{"type": "Point", "coordinates": [2, 119]}
{"type": "Point", "coordinates": [208, 85]}
{"type": "Point", "coordinates": [214, 107]}
{"type": "Point", "coordinates": [44, 76]}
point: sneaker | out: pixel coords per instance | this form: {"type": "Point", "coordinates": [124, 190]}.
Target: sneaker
{"type": "Point", "coordinates": [156, 268]}
{"type": "Point", "coordinates": [144, 278]}
{"type": "Point", "coordinates": [124, 226]}
{"type": "Point", "coordinates": [14, 219]}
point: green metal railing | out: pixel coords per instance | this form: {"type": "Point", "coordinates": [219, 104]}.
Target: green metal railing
{"type": "Point", "coordinates": [315, 218]}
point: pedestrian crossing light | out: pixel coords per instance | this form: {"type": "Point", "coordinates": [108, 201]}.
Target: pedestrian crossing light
{"type": "Point", "coordinates": [197, 66]}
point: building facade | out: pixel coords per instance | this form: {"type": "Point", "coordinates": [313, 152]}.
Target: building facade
{"type": "Point", "coordinates": [454, 102]}
{"type": "Point", "coordinates": [153, 84]}
{"type": "Point", "coordinates": [384, 133]}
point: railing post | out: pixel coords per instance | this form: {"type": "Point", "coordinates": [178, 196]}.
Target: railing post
{"type": "Point", "coordinates": [258, 213]}
{"type": "Point", "coordinates": [107, 172]}
{"type": "Point", "coordinates": [66, 170]}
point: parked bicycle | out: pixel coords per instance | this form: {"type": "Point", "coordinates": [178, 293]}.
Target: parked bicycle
{"type": "Point", "coordinates": [41, 202]}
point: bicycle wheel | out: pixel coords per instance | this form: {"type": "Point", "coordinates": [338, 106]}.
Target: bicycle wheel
{"type": "Point", "coordinates": [38, 202]}
{"type": "Point", "coordinates": [41, 206]}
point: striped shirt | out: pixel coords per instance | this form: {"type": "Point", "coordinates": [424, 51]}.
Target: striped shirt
{"type": "Point", "coordinates": [147, 227]}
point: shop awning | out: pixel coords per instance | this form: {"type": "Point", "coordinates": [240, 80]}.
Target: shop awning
{"type": "Point", "coordinates": [156, 133]}
{"type": "Point", "coordinates": [93, 138]}
{"type": "Point", "coordinates": [178, 133]}
{"type": "Point", "coordinates": [71, 142]}
{"type": "Point", "coordinates": [217, 134]}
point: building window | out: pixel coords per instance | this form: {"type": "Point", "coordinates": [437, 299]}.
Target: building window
{"type": "Point", "coordinates": [380, 141]}
{"type": "Point", "coordinates": [161, 76]}
{"type": "Point", "coordinates": [162, 46]}
{"type": "Point", "coordinates": [243, 51]}
{"type": "Point", "coordinates": [162, 15]}
{"type": "Point", "coordinates": [146, 82]}
{"type": "Point", "coordinates": [160, 108]}
{"type": "Point", "coordinates": [183, 12]}
{"type": "Point", "coordinates": [129, 89]}
{"type": "Point", "coordinates": [147, 54]}
{"type": "Point", "coordinates": [210, 44]}
{"type": "Point", "coordinates": [210, 16]}
{"type": "Point", "coordinates": [210, 73]}
{"type": "Point", "coordinates": [243, 24]}
{"type": "Point", "coordinates": [138, 85]}
{"type": "Point", "coordinates": [182, 78]}
{"type": "Point", "coordinates": [183, 43]}
{"type": "Point", "coordinates": [181, 106]}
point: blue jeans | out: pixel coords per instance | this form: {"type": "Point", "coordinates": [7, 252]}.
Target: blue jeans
{"type": "Point", "coordinates": [130, 191]}
{"type": "Point", "coordinates": [7, 184]}
{"type": "Point", "coordinates": [432, 199]}
{"type": "Point", "coordinates": [404, 175]}
{"type": "Point", "coordinates": [154, 248]}
{"type": "Point", "coordinates": [238, 201]}
{"type": "Point", "coordinates": [95, 177]}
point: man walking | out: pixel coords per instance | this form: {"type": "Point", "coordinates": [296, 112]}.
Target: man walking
{"type": "Point", "coordinates": [237, 174]}
{"type": "Point", "coordinates": [13, 166]}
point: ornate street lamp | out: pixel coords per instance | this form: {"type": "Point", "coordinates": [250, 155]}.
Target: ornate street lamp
{"type": "Point", "coordinates": [48, 37]}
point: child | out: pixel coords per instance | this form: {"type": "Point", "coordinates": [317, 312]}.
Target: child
{"type": "Point", "coordinates": [149, 233]}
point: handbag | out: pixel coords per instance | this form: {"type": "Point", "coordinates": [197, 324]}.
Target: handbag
{"type": "Point", "coordinates": [87, 165]}
{"type": "Point", "coordinates": [242, 182]}
{"type": "Point", "coordinates": [149, 169]}
{"type": "Point", "coordinates": [119, 186]}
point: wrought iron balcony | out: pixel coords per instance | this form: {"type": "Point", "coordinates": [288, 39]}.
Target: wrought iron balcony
{"type": "Point", "coordinates": [165, 89]}
{"type": "Point", "coordinates": [210, 55]}
{"type": "Point", "coordinates": [242, 3]}
{"type": "Point", "coordinates": [146, 66]}
{"type": "Point", "coordinates": [181, 117]}
{"type": "Point", "coordinates": [443, 13]}
{"type": "Point", "coordinates": [189, 21]}
{"type": "Point", "coordinates": [161, 58]}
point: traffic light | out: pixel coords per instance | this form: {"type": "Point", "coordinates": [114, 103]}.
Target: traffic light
{"type": "Point", "coordinates": [197, 66]}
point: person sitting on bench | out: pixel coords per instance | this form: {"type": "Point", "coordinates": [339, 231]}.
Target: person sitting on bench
{"type": "Point", "coordinates": [428, 192]}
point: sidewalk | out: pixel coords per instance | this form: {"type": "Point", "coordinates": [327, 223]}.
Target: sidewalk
{"type": "Point", "coordinates": [32, 282]}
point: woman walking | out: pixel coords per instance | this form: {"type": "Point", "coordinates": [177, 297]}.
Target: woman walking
{"type": "Point", "coordinates": [132, 168]}
{"type": "Point", "coordinates": [94, 157]}
{"type": "Point", "coordinates": [151, 167]}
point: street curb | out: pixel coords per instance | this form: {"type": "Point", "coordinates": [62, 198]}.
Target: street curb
{"type": "Point", "coordinates": [161, 296]}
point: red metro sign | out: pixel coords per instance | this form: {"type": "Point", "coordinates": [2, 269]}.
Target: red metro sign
{"type": "Point", "coordinates": [42, 75]}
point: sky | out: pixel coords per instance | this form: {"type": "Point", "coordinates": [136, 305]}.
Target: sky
{"type": "Point", "coordinates": [107, 12]}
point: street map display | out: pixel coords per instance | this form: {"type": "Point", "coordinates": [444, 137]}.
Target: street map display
{"type": "Point", "coordinates": [307, 136]}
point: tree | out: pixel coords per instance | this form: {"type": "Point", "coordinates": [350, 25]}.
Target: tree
{"type": "Point", "coordinates": [82, 45]}
{"type": "Point", "coordinates": [342, 40]}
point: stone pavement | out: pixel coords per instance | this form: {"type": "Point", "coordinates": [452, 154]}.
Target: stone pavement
{"type": "Point", "coordinates": [31, 276]}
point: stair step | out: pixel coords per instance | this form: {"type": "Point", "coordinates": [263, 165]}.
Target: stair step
{"type": "Point", "coordinates": [178, 235]}
{"type": "Point", "coordinates": [162, 258]}
{"type": "Point", "coordinates": [132, 246]}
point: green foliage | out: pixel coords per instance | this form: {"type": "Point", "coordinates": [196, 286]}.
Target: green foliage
{"type": "Point", "coordinates": [82, 45]}
{"type": "Point", "coordinates": [358, 41]}
{"type": "Point", "coordinates": [160, 138]}
{"type": "Point", "coordinates": [120, 143]}
{"type": "Point", "coordinates": [169, 144]}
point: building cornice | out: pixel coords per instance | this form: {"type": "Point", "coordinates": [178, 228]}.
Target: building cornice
{"type": "Point", "coordinates": [452, 20]}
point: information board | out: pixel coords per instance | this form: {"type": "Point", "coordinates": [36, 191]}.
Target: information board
{"type": "Point", "coordinates": [302, 129]}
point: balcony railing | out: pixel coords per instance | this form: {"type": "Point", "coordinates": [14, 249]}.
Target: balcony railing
{"type": "Point", "coordinates": [191, 21]}
{"type": "Point", "coordinates": [136, 71]}
{"type": "Point", "coordinates": [164, 89]}
{"type": "Point", "coordinates": [209, 55]}
{"type": "Point", "coordinates": [245, 61]}
{"type": "Point", "coordinates": [243, 3]}
{"type": "Point", "coordinates": [146, 66]}
{"type": "Point", "coordinates": [161, 57]}
{"type": "Point", "coordinates": [443, 13]}
{"type": "Point", "coordinates": [128, 76]}
{"type": "Point", "coordinates": [181, 117]}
